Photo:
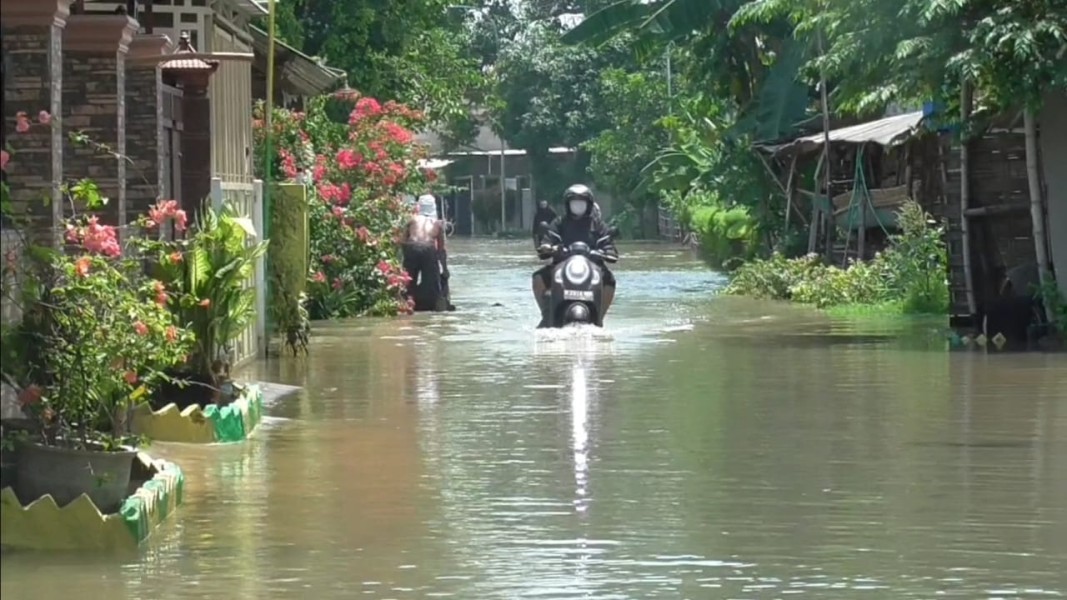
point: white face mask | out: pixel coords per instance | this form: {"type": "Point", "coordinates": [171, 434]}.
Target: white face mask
{"type": "Point", "coordinates": [577, 207]}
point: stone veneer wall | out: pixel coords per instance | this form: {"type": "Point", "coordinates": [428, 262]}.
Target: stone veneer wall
{"type": "Point", "coordinates": [144, 137]}
{"type": "Point", "coordinates": [35, 173]}
{"type": "Point", "coordinates": [94, 94]}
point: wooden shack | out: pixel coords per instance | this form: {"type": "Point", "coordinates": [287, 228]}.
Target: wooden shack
{"type": "Point", "coordinates": [874, 168]}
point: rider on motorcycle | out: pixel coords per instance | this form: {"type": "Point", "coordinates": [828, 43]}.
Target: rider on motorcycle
{"type": "Point", "coordinates": [578, 224]}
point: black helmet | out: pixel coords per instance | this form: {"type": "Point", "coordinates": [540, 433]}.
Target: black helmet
{"type": "Point", "coordinates": [578, 191]}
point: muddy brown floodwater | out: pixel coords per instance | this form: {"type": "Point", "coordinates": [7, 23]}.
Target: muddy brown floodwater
{"type": "Point", "coordinates": [698, 448]}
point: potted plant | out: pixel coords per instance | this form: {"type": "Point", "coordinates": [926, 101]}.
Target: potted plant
{"type": "Point", "coordinates": [206, 274]}
{"type": "Point", "coordinates": [96, 335]}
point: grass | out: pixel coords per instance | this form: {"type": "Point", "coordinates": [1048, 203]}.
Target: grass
{"type": "Point", "coordinates": [891, 310]}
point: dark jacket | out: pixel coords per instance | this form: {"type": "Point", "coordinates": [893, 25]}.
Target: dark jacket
{"type": "Point", "coordinates": [543, 215]}
{"type": "Point", "coordinates": [586, 229]}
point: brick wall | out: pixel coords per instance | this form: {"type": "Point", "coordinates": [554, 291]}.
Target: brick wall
{"type": "Point", "coordinates": [35, 173]}
{"type": "Point", "coordinates": [144, 134]}
{"type": "Point", "coordinates": [94, 101]}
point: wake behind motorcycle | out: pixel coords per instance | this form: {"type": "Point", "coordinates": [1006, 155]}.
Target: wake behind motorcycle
{"type": "Point", "coordinates": [575, 296]}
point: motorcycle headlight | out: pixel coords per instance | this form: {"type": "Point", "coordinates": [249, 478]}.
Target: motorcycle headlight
{"type": "Point", "coordinates": [577, 271]}
{"type": "Point", "coordinates": [559, 276]}
{"type": "Point", "coordinates": [596, 277]}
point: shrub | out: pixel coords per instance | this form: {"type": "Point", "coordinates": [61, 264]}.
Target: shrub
{"type": "Point", "coordinates": [912, 272]}
{"type": "Point", "coordinates": [359, 171]}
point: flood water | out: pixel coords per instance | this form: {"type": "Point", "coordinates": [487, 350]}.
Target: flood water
{"type": "Point", "coordinates": [697, 448]}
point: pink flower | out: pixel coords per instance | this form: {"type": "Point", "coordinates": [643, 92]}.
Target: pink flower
{"type": "Point", "coordinates": [319, 277]}
{"type": "Point", "coordinates": [164, 210]}
{"type": "Point", "coordinates": [172, 333]}
{"type": "Point", "coordinates": [44, 117]}
{"type": "Point", "coordinates": [338, 285]}
{"type": "Point", "coordinates": [397, 133]}
{"type": "Point", "coordinates": [140, 328]}
{"type": "Point", "coordinates": [4, 158]}
{"type": "Point", "coordinates": [205, 303]}
{"type": "Point", "coordinates": [130, 377]}
{"type": "Point", "coordinates": [22, 122]}
{"type": "Point", "coordinates": [348, 159]}
{"type": "Point", "coordinates": [384, 268]}
{"type": "Point", "coordinates": [100, 239]}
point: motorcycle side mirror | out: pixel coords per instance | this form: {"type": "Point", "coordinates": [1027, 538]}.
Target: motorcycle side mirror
{"type": "Point", "coordinates": [542, 226]}
{"type": "Point", "coordinates": [613, 231]}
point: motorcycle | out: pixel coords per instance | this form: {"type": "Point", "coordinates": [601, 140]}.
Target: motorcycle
{"type": "Point", "coordinates": [577, 283]}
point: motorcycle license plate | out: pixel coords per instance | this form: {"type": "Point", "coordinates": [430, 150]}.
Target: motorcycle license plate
{"type": "Point", "coordinates": [585, 295]}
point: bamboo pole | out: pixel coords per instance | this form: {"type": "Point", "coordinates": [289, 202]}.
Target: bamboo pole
{"type": "Point", "coordinates": [268, 120]}
{"type": "Point", "coordinates": [829, 250]}
{"type": "Point", "coordinates": [1037, 212]}
{"type": "Point", "coordinates": [789, 191]}
{"type": "Point", "coordinates": [966, 101]}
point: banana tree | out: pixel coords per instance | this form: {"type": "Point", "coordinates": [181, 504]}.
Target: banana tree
{"type": "Point", "coordinates": [207, 283]}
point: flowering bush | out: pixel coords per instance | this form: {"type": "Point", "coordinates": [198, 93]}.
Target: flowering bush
{"type": "Point", "coordinates": [96, 333]}
{"type": "Point", "coordinates": [358, 172]}
{"type": "Point", "coordinates": [204, 275]}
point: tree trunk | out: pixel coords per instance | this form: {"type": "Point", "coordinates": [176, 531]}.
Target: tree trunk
{"type": "Point", "coordinates": [1037, 212]}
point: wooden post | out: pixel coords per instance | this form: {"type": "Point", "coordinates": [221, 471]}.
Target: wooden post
{"type": "Point", "coordinates": [789, 191]}
{"type": "Point", "coordinates": [966, 100]}
{"type": "Point", "coordinates": [829, 250]}
{"type": "Point", "coordinates": [813, 230]}
{"type": "Point", "coordinates": [1037, 209]}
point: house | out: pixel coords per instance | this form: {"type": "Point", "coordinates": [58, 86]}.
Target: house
{"type": "Point", "coordinates": [990, 238]}
{"type": "Point", "coordinates": [477, 204]}
{"type": "Point", "coordinates": [165, 84]}
{"type": "Point", "coordinates": [297, 76]}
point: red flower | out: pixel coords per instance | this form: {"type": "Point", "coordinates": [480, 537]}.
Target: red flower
{"type": "Point", "coordinates": [172, 333]}
{"type": "Point", "coordinates": [338, 285]}
{"type": "Point", "coordinates": [348, 159]}
{"type": "Point", "coordinates": [205, 303]}
{"type": "Point", "coordinates": [81, 266]}
{"type": "Point", "coordinates": [130, 377]}
{"type": "Point", "coordinates": [44, 117]}
{"type": "Point", "coordinates": [397, 133]}
{"type": "Point", "coordinates": [4, 159]}
{"type": "Point", "coordinates": [140, 328]}
{"type": "Point", "coordinates": [384, 267]}
{"type": "Point", "coordinates": [22, 122]}
{"type": "Point", "coordinates": [30, 395]}
{"type": "Point", "coordinates": [319, 277]}
{"type": "Point", "coordinates": [175, 257]}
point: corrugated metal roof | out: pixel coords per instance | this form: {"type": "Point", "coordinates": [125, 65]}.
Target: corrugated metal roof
{"type": "Point", "coordinates": [889, 131]}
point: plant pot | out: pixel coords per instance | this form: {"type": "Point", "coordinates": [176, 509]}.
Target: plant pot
{"type": "Point", "coordinates": [66, 473]}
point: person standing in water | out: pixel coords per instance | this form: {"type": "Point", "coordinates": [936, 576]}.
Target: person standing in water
{"type": "Point", "coordinates": [544, 214]}
{"type": "Point", "coordinates": [425, 255]}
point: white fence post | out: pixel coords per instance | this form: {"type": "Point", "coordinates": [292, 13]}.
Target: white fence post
{"type": "Point", "coordinates": [216, 194]}
{"type": "Point", "coordinates": [261, 274]}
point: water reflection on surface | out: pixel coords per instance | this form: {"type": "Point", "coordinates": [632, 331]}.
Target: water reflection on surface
{"type": "Point", "coordinates": [698, 447]}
